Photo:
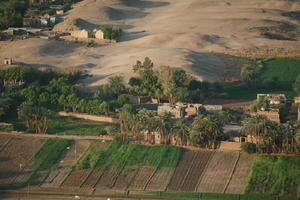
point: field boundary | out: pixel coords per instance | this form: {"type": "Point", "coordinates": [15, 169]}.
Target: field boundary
{"type": "Point", "coordinates": [149, 179]}
{"type": "Point", "coordinates": [188, 171]}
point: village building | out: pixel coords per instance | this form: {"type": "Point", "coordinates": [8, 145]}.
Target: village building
{"type": "Point", "coordinates": [273, 99]}
{"type": "Point", "coordinates": [99, 34]}
{"type": "Point", "coordinates": [80, 34]}
{"type": "Point", "coordinates": [270, 114]}
{"type": "Point", "coordinates": [297, 100]}
{"type": "Point", "coordinates": [7, 61]}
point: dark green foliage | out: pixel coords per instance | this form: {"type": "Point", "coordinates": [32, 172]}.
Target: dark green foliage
{"type": "Point", "coordinates": [248, 147]}
{"type": "Point", "coordinates": [277, 175]}
{"type": "Point", "coordinates": [50, 153]}
{"type": "Point", "coordinates": [111, 33]}
{"type": "Point", "coordinates": [92, 156]}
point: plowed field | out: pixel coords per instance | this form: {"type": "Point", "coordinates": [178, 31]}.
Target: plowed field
{"type": "Point", "coordinates": [76, 178]}
{"type": "Point", "coordinates": [181, 170]}
{"type": "Point", "coordinates": [217, 172]}
{"type": "Point", "coordinates": [140, 180]}
{"type": "Point", "coordinates": [239, 178]}
{"type": "Point", "coordinates": [161, 179]}
{"type": "Point", "coordinates": [124, 179]}
{"type": "Point", "coordinates": [108, 178]}
{"type": "Point", "coordinates": [196, 170]}
{"type": "Point", "coordinates": [61, 175]}
{"type": "Point", "coordinates": [93, 178]}
{"type": "Point", "coordinates": [14, 158]}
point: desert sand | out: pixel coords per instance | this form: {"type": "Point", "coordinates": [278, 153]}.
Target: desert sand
{"type": "Point", "coordinates": [177, 33]}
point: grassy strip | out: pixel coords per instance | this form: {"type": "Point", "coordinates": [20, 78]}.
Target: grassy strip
{"type": "Point", "coordinates": [277, 76]}
{"type": "Point", "coordinates": [92, 156]}
{"type": "Point", "coordinates": [276, 175]}
{"type": "Point", "coordinates": [120, 155]}
{"type": "Point", "coordinates": [46, 158]}
{"type": "Point", "coordinates": [68, 126]}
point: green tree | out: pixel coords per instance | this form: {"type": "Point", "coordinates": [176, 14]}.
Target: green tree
{"type": "Point", "coordinates": [164, 126]}
{"type": "Point", "coordinates": [250, 75]}
{"type": "Point", "coordinates": [297, 85]}
{"type": "Point", "coordinates": [182, 132]}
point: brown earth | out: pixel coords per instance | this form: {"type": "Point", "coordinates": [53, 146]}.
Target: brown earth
{"type": "Point", "coordinates": [239, 179]}
{"type": "Point", "coordinates": [76, 178]}
{"type": "Point", "coordinates": [140, 180]}
{"type": "Point", "coordinates": [197, 167]}
{"type": "Point", "coordinates": [171, 32]}
{"type": "Point", "coordinates": [93, 178]}
{"type": "Point", "coordinates": [161, 179]}
{"type": "Point", "coordinates": [182, 169]}
{"type": "Point", "coordinates": [15, 158]}
{"type": "Point", "coordinates": [59, 175]}
{"type": "Point", "coordinates": [108, 179]}
{"type": "Point", "coordinates": [125, 178]}
{"type": "Point", "coordinates": [217, 172]}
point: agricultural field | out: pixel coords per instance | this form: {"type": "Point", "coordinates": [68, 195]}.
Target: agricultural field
{"type": "Point", "coordinates": [125, 177]}
{"type": "Point", "coordinates": [60, 125]}
{"type": "Point", "coordinates": [142, 177]}
{"type": "Point", "coordinates": [76, 178]}
{"type": "Point", "coordinates": [239, 178]}
{"type": "Point", "coordinates": [217, 172]}
{"type": "Point", "coordinates": [160, 179]}
{"type": "Point", "coordinates": [74, 152]}
{"type": "Point", "coordinates": [181, 170]}
{"type": "Point", "coordinates": [59, 176]}
{"type": "Point", "coordinates": [196, 170]}
{"type": "Point", "coordinates": [277, 76]}
{"type": "Point", "coordinates": [4, 140]}
{"type": "Point", "coordinates": [47, 158]}
{"type": "Point", "coordinates": [14, 165]}
{"type": "Point", "coordinates": [282, 173]}
{"type": "Point", "coordinates": [92, 179]}
{"type": "Point", "coordinates": [108, 179]}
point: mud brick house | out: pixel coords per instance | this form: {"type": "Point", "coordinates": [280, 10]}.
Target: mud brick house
{"type": "Point", "coordinates": [273, 99]}
{"type": "Point", "coordinates": [270, 114]}
{"type": "Point", "coordinates": [7, 61]}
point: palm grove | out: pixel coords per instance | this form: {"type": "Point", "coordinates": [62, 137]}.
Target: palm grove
{"type": "Point", "coordinates": [45, 92]}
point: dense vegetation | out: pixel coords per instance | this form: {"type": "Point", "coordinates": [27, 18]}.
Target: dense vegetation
{"type": "Point", "coordinates": [47, 157]}
{"type": "Point", "coordinates": [120, 155]}
{"type": "Point", "coordinates": [12, 12]}
{"type": "Point", "coordinates": [267, 76]}
{"type": "Point", "coordinates": [111, 33]}
{"type": "Point", "coordinates": [275, 175]}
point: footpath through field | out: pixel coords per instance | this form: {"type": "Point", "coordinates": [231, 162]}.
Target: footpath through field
{"type": "Point", "coordinates": [69, 137]}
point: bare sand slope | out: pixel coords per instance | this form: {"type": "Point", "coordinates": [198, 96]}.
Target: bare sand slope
{"type": "Point", "coordinates": [171, 32]}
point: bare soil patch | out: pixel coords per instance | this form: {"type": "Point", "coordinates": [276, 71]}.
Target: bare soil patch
{"type": "Point", "coordinates": [161, 179]}
{"type": "Point", "coordinates": [76, 178]}
{"type": "Point", "coordinates": [217, 172]}
{"type": "Point", "coordinates": [125, 178]}
{"type": "Point", "coordinates": [140, 180]}
{"type": "Point", "coordinates": [93, 178]}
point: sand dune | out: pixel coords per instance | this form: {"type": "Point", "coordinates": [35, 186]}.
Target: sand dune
{"type": "Point", "coordinates": [178, 33]}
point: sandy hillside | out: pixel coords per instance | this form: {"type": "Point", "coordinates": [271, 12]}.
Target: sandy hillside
{"type": "Point", "coordinates": [171, 32]}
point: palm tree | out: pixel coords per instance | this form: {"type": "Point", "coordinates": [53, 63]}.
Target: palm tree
{"type": "Point", "coordinates": [165, 127]}
{"type": "Point", "coordinates": [206, 130]}
{"type": "Point", "coordinates": [125, 118]}
{"type": "Point", "coordinates": [182, 132]}
{"type": "Point", "coordinates": [250, 76]}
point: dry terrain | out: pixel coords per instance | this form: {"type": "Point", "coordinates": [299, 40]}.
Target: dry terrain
{"type": "Point", "coordinates": [171, 32]}
{"type": "Point", "coordinates": [217, 172]}
{"type": "Point", "coordinates": [239, 179]}
{"type": "Point", "coordinates": [14, 160]}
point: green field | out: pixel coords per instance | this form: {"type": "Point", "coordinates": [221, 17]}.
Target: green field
{"type": "Point", "coordinates": [69, 126]}
{"type": "Point", "coordinates": [120, 155]}
{"type": "Point", "coordinates": [277, 76]}
{"type": "Point", "coordinates": [46, 158]}
{"type": "Point", "coordinates": [275, 175]}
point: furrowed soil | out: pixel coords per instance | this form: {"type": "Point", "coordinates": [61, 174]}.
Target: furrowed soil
{"type": "Point", "coordinates": [125, 178]}
{"type": "Point", "coordinates": [4, 140]}
{"type": "Point", "coordinates": [61, 176]}
{"type": "Point", "coordinates": [92, 179]}
{"type": "Point", "coordinates": [217, 172]}
{"type": "Point", "coordinates": [76, 178]}
{"type": "Point", "coordinates": [140, 180]}
{"type": "Point", "coordinates": [197, 167]}
{"type": "Point", "coordinates": [108, 178]}
{"type": "Point", "coordinates": [239, 179]}
{"type": "Point", "coordinates": [14, 159]}
{"type": "Point", "coordinates": [161, 179]}
{"type": "Point", "coordinates": [181, 170]}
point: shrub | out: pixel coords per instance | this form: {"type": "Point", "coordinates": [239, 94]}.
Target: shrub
{"type": "Point", "coordinates": [111, 33]}
{"type": "Point", "coordinates": [248, 147]}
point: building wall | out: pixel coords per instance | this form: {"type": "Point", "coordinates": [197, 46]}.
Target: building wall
{"type": "Point", "coordinates": [80, 34]}
{"type": "Point", "coordinates": [272, 115]}
{"type": "Point", "coordinates": [99, 34]}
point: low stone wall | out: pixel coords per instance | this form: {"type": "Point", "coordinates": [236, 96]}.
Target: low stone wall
{"type": "Point", "coordinates": [98, 118]}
